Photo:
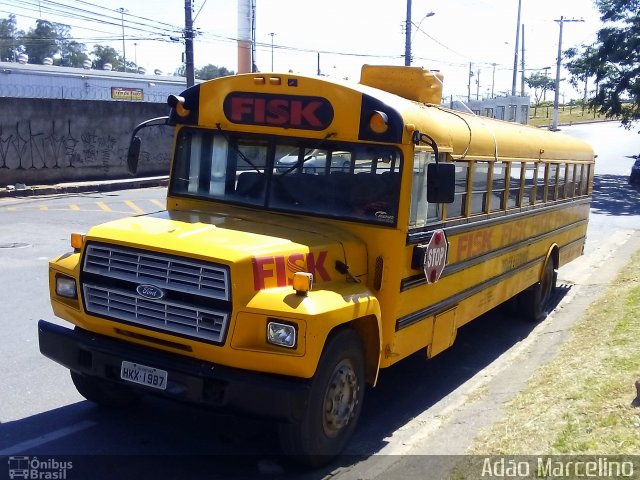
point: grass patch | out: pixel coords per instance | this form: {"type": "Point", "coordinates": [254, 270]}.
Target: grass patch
{"type": "Point", "coordinates": [544, 115]}
{"type": "Point", "coordinates": [580, 402]}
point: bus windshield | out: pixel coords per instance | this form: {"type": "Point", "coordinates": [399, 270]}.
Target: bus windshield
{"type": "Point", "coordinates": [324, 178]}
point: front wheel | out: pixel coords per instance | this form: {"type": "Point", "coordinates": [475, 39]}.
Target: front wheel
{"type": "Point", "coordinates": [335, 402]}
{"type": "Point", "coordinates": [533, 301]}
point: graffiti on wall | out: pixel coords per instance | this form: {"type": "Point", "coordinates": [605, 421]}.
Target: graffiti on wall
{"type": "Point", "coordinates": [57, 150]}
{"type": "Point", "coordinates": [54, 144]}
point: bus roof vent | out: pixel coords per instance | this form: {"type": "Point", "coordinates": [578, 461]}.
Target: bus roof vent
{"type": "Point", "coordinates": [412, 83]}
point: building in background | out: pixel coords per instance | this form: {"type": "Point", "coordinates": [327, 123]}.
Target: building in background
{"type": "Point", "coordinates": [19, 80]}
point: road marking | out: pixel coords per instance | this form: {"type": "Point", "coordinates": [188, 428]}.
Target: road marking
{"type": "Point", "coordinates": [74, 206]}
{"type": "Point", "coordinates": [103, 206]}
{"type": "Point", "coordinates": [158, 203]}
{"type": "Point", "coordinates": [44, 207]}
{"type": "Point", "coordinates": [49, 437]}
{"type": "Point", "coordinates": [133, 206]}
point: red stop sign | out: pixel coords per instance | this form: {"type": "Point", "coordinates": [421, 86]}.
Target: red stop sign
{"type": "Point", "coordinates": [435, 256]}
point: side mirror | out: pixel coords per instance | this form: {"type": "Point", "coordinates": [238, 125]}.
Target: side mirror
{"type": "Point", "coordinates": [133, 155]}
{"type": "Point", "coordinates": [441, 182]}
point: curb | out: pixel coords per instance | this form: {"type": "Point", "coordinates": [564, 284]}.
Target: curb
{"type": "Point", "coordinates": [80, 187]}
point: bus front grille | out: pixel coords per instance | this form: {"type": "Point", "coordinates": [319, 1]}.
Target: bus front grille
{"type": "Point", "coordinates": [192, 297]}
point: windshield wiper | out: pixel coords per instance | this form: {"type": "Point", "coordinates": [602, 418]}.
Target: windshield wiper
{"type": "Point", "coordinates": [236, 149]}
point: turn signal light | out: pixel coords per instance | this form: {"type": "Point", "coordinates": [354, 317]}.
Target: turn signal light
{"type": "Point", "coordinates": [77, 240]}
{"type": "Point", "coordinates": [302, 282]}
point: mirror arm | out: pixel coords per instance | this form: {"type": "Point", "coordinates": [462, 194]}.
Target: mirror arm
{"type": "Point", "coordinates": [419, 137]}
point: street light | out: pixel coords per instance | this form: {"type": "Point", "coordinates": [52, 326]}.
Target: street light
{"type": "Point", "coordinates": [408, 40]}
{"type": "Point", "coordinates": [272, 35]}
{"type": "Point", "coordinates": [556, 97]}
{"type": "Point", "coordinates": [124, 51]}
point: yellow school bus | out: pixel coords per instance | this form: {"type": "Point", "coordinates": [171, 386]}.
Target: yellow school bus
{"type": "Point", "coordinates": [315, 233]}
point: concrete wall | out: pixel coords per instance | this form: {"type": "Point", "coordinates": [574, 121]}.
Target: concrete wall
{"type": "Point", "coordinates": [48, 141]}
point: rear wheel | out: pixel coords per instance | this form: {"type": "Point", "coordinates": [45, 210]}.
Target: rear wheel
{"type": "Point", "coordinates": [335, 402]}
{"type": "Point", "coordinates": [533, 302]}
{"type": "Point", "coordinates": [103, 392]}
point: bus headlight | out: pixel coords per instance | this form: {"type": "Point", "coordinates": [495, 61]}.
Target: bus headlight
{"type": "Point", "coordinates": [66, 287]}
{"type": "Point", "coordinates": [281, 334]}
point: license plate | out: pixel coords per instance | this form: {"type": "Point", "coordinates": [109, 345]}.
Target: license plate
{"type": "Point", "coordinates": [143, 375]}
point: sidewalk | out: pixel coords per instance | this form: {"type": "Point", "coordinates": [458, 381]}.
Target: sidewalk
{"type": "Point", "coordinates": [78, 187]}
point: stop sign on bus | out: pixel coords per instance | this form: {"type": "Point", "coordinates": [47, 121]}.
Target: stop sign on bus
{"type": "Point", "coordinates": [435, 256]}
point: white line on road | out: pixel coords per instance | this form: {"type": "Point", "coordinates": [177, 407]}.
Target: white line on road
{"type": "Point", "coordinates": [49, 437]}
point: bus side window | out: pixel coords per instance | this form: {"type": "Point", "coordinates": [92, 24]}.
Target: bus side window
{"type": "Point", "coordinates": [530, 183]}
{"type": "Point", "coordinates": [515, 173]}
{"type": "Point", "coordinates": [422, 212]}
{"type": "Point", "coordinates": [562, 180]}
{"type": "Point", "coordinates": [498, 186]}
{"type": "Point", "coordinates": [571, 181]}
{"type": "Point", "coordinates": [552, 182]}
{"type": "Point", "coordinates": [457, 208]}
{"type": "Point", "coordinates": [479, 187]}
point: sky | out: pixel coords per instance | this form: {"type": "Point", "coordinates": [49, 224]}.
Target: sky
{"type": "Point", "coordinates": [338, 36]}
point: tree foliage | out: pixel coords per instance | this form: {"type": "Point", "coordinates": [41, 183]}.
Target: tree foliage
{"type": "Point", "coordinates": [9, 39]}
{"type": "Point", "coordinates": [104, 54]}
{"type": "Point", "coordinates": [53, 40]}
{"type": "Point", "coordinates": [613, 61]}
{"type": "Point", "coordinates": [205, 73]}
{"type": "Point", "coordinates": [540, 83]}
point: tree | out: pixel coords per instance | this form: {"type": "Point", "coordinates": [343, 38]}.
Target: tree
{"type": "Point", "coordinates": [52, 40]}
{"type": "Point", "coordinates": [9, 39]}
{"type": "Point", "coordinates": [613, 61]}
{"type": "Point", "coordinates": [540, 84]}
{"type": "Point", "coordinates": [104, 55]}
{"type": "Point", "coordinates": [205, 73]}
{"type": "Point", "coordinates": [211, 71]}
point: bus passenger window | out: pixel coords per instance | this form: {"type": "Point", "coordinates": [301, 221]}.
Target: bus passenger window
{"type": "Point", "coordinates": [457, 208]}
{"type": "Point", "coordinates": [514, 185]}
{"type": "Point", "coordinates": [530, 183]}
{"type": "Point", "coordinates": [498, 186]}
{"type": "Point", "coordinates": [570, 180]}
{"type": "Point", "coordinates": [479, 184]}
{"type": "Point", "coordinates": [541, 182]}
{"type": "Point", "coordinates": [422, 212]}
{"type": "Point", "coordinates": [562, 180]}
{"type": "Point", "coordinates": [552, 182]}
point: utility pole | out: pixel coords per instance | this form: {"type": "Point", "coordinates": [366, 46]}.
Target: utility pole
{"type": "Point", "coordinates": [556, 97]}
{"type": "Point", "coordinates": [272, 35]}
{"type": "Point", "coordinates": [522, 64]}
{"type": "Point", "coordinates": [515, 55]}
{"type": "Point", "coordinates": [407, 36]}
{"type": "Point", "coordinates": [188, 44]}
{"type": "Point", "coordinates": [124, 50]}
{"type": "Point", "coordinates": [493, 80]}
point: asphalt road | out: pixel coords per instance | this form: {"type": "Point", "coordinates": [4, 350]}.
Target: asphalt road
{"type": "Point", "coordinates": [419, 407]}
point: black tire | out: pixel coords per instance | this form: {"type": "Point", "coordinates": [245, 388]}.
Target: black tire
{"type": "Point", "coordinates": [533, 302]}
{"type": "Point", "coordinates": [335, 403]}
{"type": "Point", "coordinates": [104, 392]}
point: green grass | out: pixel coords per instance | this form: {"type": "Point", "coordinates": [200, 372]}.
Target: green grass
{"type": "Point", "coordinates": [580, 402]}
{"type": "Point", "coordinates": [543, 116]}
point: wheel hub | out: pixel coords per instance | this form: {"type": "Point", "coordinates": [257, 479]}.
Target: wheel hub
{"type": "Point", "coordinates": [340, 399]}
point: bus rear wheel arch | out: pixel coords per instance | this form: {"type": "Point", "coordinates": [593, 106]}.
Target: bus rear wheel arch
{"type": "Point", "coordinates": [533, 302]}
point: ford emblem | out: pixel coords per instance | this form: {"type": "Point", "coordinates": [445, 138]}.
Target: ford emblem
{"type": "Point", "coordinates": [150, 291]}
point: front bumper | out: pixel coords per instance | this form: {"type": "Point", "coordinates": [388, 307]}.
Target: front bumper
{"type": "Point", "coordinates": [188, 379]}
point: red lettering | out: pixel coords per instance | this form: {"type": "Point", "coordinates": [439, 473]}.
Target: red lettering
{"type": "Point", "coordinates": [281, 270]}
{"type": "Point", "coordinates": [277, 112]}
{"type": "Point", "coordinates": [241, 106]}
{"type": "Point", "coordinates": [260, 273]}
{"type": "Point", "coordinates": [300, 112]}
{"type": "Point", "coordinates": [316, 267]}
{"type": "Point", "coordinates": [259, 114]}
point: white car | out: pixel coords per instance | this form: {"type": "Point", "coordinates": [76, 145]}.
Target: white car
{"type": "Point", "coordinates": [316, 163]}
